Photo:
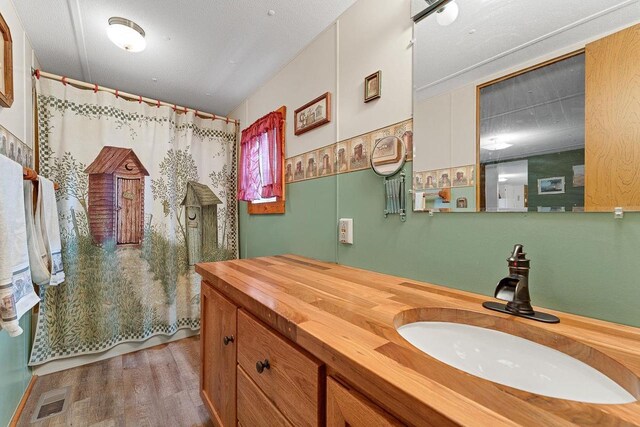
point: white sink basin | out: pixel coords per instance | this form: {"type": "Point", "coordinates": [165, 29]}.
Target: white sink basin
{"type": "Point", "coordinates": [513, 361]}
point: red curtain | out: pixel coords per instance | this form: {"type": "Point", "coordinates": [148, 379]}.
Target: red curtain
{"type": "Point", "coordinates": [260, 174]}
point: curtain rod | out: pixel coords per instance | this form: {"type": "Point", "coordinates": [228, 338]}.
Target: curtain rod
{"type": "Point", "coordinates": [37, 73]}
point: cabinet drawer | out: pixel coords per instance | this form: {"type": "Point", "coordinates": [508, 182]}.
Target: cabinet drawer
{"type": "Point", "coordinates": [293, 381]}
{"type": "Point", "coordinates": [254, 407]}
{"type": "Point", "coordinates": [348, 408]}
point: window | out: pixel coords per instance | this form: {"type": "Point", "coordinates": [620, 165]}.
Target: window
{"type": "Point", "coordinates": [261, 173]}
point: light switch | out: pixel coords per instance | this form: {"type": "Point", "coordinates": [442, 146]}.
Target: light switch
{"type": "Point", "coordinates": [345, 231]}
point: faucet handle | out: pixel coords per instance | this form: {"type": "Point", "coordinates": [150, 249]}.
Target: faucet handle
{"type": "Point", "coordinates": [518, 258]}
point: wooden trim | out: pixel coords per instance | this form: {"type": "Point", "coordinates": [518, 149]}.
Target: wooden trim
{"type": "Point", "coordinates": [315, 125]}
{"type": "Point", "coordinates": [532, 67]}
{"type": "Point", "coordinates": [6, 98]}
{"type": "Point", "coordinates": [480, 199]}
{"type": "Point", "coordinates": [277, 207]}
{"type": "Point", "coordinates": [23, 402]}
{"type": "Point", "coordinates": [479, 181]}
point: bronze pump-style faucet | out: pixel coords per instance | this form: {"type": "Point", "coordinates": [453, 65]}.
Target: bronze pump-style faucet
{"type": "Point", "coordinates": [515, 290]}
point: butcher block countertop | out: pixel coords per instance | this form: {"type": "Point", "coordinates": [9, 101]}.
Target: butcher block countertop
{"type": "Point", "coordinates": [347, 317]}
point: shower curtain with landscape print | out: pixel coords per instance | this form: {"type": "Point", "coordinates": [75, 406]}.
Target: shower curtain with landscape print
{"type": "Point", "coordinates": [145, 193]}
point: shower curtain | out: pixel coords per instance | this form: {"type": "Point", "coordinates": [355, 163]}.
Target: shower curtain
{"type": "Point", "coordinates": [145, 193]}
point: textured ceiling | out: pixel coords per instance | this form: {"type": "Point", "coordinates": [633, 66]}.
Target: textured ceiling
{"type": "Point", "coordinates": [538, 112]}
{"type": "Point", "coordinates": [493, 35]}
{"type": "Point", "coordinates": [208, 55]}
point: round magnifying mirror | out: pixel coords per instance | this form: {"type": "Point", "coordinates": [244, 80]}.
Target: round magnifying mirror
{"type": "Point", "coordinates": [388, 156]}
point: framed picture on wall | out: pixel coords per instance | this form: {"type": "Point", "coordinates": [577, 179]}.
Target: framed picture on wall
{"type": "Point", "coordinates": [373, 86]}
{"type": "Point", "coordinates": [6, 65]}
{"type": "Point", "coordinates": [553, 185]}
{"type": "Point", "coordinates": [313, 114]}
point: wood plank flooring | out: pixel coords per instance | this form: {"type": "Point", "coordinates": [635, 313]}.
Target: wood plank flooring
{"type": "Point", "coordinates": [153, 387]}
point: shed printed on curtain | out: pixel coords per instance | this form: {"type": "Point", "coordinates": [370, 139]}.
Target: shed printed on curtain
{"type": "Point", "coordinates": [145, 193]}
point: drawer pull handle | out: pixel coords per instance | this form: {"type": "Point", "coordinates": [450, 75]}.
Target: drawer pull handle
{"type": "Point", "coordinates": [261, 366]}
{"type": "Point", "coordinates": [227, 340]}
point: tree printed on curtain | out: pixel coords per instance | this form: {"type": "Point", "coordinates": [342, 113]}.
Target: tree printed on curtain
{"type": "Point", "coordinates": [124, 168]}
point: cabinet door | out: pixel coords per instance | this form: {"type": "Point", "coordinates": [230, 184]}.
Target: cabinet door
{"type": "Point", "coordinates": [218, 341]}
{"type": "Point", "coordinates": [348, 408]}
{"type": "Point", "coordinates": [612, 139]}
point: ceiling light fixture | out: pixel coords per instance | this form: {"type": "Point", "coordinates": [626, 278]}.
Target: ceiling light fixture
{"type": "Point", "coordinates": [447, 14]}
{"type": "Point", "coordinates": [126, 34]}
{"type": "Point", "coordinates": [495, 145]}
{"type": "Point", "coordinates": [444, 13]}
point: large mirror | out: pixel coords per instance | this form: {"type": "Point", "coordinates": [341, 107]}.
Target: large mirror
{"type": "Point", "coordinates": [526, 106]}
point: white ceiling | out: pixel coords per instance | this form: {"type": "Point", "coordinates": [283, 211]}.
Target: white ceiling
{"type": "Point", "coordinates": [208, 55]}
{"type": "Point", "coordinates": [493, 35]}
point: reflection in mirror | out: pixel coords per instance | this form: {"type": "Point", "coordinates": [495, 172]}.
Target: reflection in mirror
{"type": "Point", "coordinates": [532, 134]}
{"type": "Point", "coordinates": [388, 156]}
{"type": "Point", "coordinates": [462, 44]}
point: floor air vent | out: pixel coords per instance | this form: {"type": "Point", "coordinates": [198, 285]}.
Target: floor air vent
{"type": "Point", "coordinates": [51, 404]}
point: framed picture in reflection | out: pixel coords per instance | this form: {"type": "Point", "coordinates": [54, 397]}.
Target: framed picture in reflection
{"type": "Point", "coordinates": [553, 185]}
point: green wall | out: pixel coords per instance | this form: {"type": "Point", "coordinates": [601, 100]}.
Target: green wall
{"type": "Point", "coordinates": [15, 376]}
{"type": "Point", "coordinates": [550, 165]}
{"type": "Point", "coordinates": [583, 263]}
{"type": "Point", "coordinates": [308, 228]}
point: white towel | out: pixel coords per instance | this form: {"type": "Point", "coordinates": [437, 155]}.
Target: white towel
{"type": "Point", "coordinates": [47, 216]}
{"type": "Point", "coordinates": [16, 290]}
{"type": "Point", "coordinates": [38, 258]}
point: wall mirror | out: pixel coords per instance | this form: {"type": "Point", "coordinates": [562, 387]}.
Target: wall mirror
{"type": "Point", "coordinates": [388, 156]}
{"type": "Point", "coordinates": [536, 110]}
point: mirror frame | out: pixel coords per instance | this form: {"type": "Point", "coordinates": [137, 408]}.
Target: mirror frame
{"type": "Point", "coordinates": [403, 159]}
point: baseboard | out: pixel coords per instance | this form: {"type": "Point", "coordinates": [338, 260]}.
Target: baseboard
{"type": "Point", "coordinates": [118, 350]}
{"type": "Point", "coordinates": [23, 402]}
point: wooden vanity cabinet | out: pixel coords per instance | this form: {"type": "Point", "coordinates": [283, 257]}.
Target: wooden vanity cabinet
{"type": "Point", "coordinates": [218, 355]}
{"type": "Point", "coordinates": [253, 376]}
{"type": "Point", "coordinates": [346, 407]}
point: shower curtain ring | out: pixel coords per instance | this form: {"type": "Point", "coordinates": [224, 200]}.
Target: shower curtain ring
{"type": "Point", "coordinates": [95, 88]}
{"type": "Point", "coordinates": [64, 80]}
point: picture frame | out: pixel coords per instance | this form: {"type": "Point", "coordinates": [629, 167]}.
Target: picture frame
{"type": "Point", "coordinates": [313, 114]}
{"type": "Point", "coordinates": [553, 185]}
{"type": "Point", "coordinates": [6, 65]}
{"type": "Point", "coordinates": [373, 86]}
